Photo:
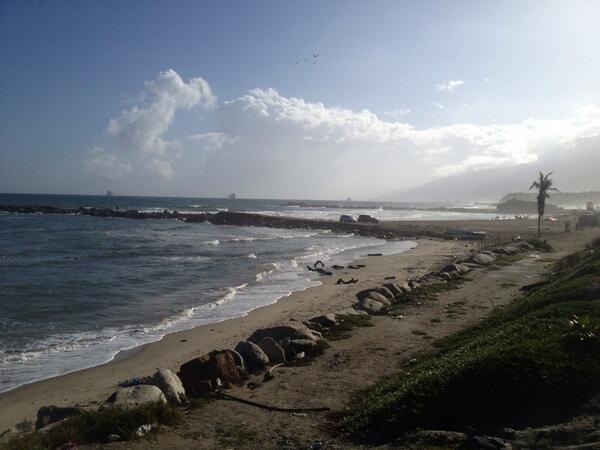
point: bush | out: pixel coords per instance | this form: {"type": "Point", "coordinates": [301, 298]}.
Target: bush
{"type": "Point", "coordinates": [524, 365]}
{"type": "Point", "coordinates": [95, 426]}
{"type": "Point", "coordinates": [541, 245]}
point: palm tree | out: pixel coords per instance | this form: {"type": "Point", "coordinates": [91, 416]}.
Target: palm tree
{"type": "Point", "coordinates": [544, 186]}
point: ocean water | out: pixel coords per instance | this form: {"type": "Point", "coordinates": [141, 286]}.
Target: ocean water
{"type": "Point", "coordinates": [75, 290]}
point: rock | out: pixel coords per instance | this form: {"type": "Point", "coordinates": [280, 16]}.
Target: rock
{"type": "Point", "coordinates": [134, 396]}
{"type": "Point", "coordinates": [239, 361]}
{"type": "Point", "coordinates": [113, 438]}
{"type": "Point", "coordinates": [291, 330]}
{"type": "Point", "coordinates": [387, 293]}
{"type": "Point", "coordinates": [50, 414]}
{"type": "Point", "coordinates": [413, 284]}
{"type": "Point", "coordinates": [272, 349]}
{"type": "Point", "coordinates": [326, 320]}
{"type": "Point", "coordinates": [170, 384]}
{"type": "Point", "coordinates": [481, 442]}
{"type": "Point", "coordinates": [371, 306]}
{"type": "Point", "coordinates": [460, 268]}
{"type": "Point", "coordinates": [445, 275]}
{"type": "Point", "coordinates": [342, 313]}
{"type": "Point", "coordinates": [200, 374]}
{"type": "Point", "coordinates": [481, 258]}
{"type": "Point", "coordinates": [378, 298]}
{"type": "Point", "coordinates": [405, 287]}
{"type": "Point", "coordinates": [253, 355]}
{"type": "Point", "coordinates": [394, 289]}
{"type": "Point", "coordinates": [314, 326]}
{"type": "Point", "coordinates": [435, 438]}
{"type": "Point", "coordinates": [307, 346]}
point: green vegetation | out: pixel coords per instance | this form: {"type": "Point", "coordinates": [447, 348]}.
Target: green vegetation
{"type": "Point", "coordinates": [525, 365]}
{"type": "Point", "coordinates": [347, 324]}
{"type": "Point", "coordinates": [424, 294]}
{"type": "Point", "coordinates": [541, 245]}
{"type": "Point", "coordinates": [96, 426]}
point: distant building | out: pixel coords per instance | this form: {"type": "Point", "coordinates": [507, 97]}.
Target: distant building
{"type": "Point", "coordinates": [231, 196]}
{"type": "Point", "coordinates": [589, 206]}
{"type": "Point", "coordinates": [516, 206]}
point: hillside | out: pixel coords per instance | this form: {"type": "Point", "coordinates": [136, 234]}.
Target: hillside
{"type": "Point", "coordinates": [575, 170]}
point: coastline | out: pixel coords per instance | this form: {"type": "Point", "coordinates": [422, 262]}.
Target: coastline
{"type": "Point", "coordinates": [88, 387]}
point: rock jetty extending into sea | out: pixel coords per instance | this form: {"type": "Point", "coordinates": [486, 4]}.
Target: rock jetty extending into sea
{"type": "Point", "coordinates": [380, 230]}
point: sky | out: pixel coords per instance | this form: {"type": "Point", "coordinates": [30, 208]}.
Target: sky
{"type": "Point", "coordinates": [273, 99]}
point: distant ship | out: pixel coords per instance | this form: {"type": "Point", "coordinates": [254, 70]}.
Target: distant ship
{"type": "Point", "coordinates": [231, 196]}
{"type": "Point", "coordinates": [109, 193]}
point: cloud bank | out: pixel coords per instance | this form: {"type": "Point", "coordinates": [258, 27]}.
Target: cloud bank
{"type": "Point", "coordinates": [268, 145]}
{"type": "Point", "coordinates": [138, 132]}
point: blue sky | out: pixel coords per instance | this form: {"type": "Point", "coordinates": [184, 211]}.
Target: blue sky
{"type": "Point", "coordinates": [69, 67]}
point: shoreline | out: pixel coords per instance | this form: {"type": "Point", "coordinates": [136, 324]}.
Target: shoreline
{"type": "Point", "coordinates": [89, 386]}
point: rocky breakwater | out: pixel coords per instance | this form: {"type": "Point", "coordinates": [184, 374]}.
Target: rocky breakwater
{"type": "Point", "coordinates": [103, 212]}
{"type": "Point", "coordinates": [380, 231]}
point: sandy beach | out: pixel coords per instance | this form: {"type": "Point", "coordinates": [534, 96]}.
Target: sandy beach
{"type": "Point", "coordinates": [89, 386]}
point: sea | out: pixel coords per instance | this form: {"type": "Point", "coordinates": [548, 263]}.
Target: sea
{"type": "Point", "coordinates": [76, 290]}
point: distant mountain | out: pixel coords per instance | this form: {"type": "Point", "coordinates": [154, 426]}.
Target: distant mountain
{"type": "Point", "coordinates": [576, 169]}
{"type": "Point", "coordinates": [564, 199]}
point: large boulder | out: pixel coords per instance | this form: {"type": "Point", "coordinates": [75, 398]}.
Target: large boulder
{"type": "Point", "coordinates": [135, 396]}
{"type": "Point", "coordinates": [460, 268]}
{"type": "Point", "coordinates": [326, 320]}
{"type": "Point", "coordinates": [254, 357]}
{"type": "Point", "coordinates": [381, 291]}
{"type": "Point", "coordinates": [272, 349]}
{"type": "Point", "coordinates": [370, 306]}
{"type": "Point", "coordinates": [290, 330]}
{"type": "Point", "coordinates": [394, 289]}
{"type": "Point", "coordinates": [50, 414]}
{"type": "Point", "coordinates": [200, 375]}
{"type": "Point", "coordinates": [482, 259]}
{"type": "Point", "coordinates": [373, 295]}
{"type": "Point", "coordinates": [170, 384]}
{"type": "Point", "coordinates": [310, 348]}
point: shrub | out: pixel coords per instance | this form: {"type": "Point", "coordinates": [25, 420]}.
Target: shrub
{"type": "Point", "coordinates": [95, 426]}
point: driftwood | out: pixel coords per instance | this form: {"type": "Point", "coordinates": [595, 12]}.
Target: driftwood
{"type": "Point", "coordinates": [268, 407]}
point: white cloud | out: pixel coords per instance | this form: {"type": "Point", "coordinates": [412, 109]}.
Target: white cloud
{"type": "Point", "coordinates": [138, 131]}
{"type": "Point", "coordinates": [106, 165]}
{"type": "Point", "coordinates": [266, 144]}
{"type": "Point", "coordinates": [397, 114]}
{"type": "Point", "coordinates": [210, 141]}
{"type": "Point", "coordinates": [449, 85]}
{"type": "Point", "coordinates": [288, 147]}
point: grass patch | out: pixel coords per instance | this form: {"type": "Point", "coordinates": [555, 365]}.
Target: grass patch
{"type": "Point", "coordinates": [347, 324]}
{"type": "Point", "coordinates": [424, 294]}
{"type": "Point", "coordinates": [541, 245]}
{"type": "Point", "coordinates": [95, 426]}
{"type": "Point", "coordinates": [527, 364]}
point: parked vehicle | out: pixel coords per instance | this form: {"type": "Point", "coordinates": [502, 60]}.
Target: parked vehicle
{"type": "Point", "coordinates": [365, 218]}
{"type": "Point", "coordinates": [346, 218]}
